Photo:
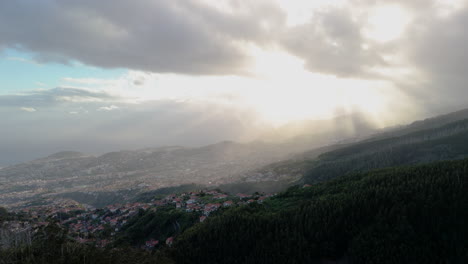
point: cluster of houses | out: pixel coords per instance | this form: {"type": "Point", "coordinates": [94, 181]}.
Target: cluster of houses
{"type": "Point", "coordinates": [100, 226]}
{"type": "Point", "coordinates": [207, 202]}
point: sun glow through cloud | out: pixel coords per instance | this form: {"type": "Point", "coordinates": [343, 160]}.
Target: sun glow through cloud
{"type": "Point", "coordinates": [209, 70]}
{"type": "Point", "coordinates": [277, 84]}
{"type": "Point", "coordinates": [278, 89]}
{"type": "Point", "coordinates": [386, 23]}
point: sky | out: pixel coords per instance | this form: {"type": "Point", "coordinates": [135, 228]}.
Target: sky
{"type": "Point", "coordinates": [98, 76]}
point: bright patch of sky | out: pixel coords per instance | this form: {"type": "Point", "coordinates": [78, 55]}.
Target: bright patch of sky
{"type": "Point", "coordinates": [20, 72]}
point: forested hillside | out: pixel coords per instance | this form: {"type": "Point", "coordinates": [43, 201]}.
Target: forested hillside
{"type": "Point", "coordinates": [448, 142]}
{"type": "Point", "coordinates": [398, 215]}
{"type": "Point", "coordinates": [159, 225]}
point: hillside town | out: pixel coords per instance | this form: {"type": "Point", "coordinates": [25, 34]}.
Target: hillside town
{"type": "Point", "coordinates": [100, 226]}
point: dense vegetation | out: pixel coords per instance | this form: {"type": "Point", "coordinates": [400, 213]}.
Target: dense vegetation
{"type": "Point", "coordinates": [398, 215]}
{"type": "Point", "coordinates": [448, 142]}
{"type": "Point", "coordinates": [158, 225]}
{"type": "Point", "coordinates": [252, 187]}
{"type": "Point", "coordinates": [51, 245]}
{"type": "Point", "coordinates": [3, 214]}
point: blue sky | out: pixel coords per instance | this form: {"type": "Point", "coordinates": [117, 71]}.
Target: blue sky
{"type": "Point", "coordinates": [20, 72]}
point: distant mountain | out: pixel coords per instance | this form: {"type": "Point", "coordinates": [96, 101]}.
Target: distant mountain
{"type": "Point", "coordinates": [428, 123]}
{"type": "Point", "coordinates": [329, 148]}
{"type": "Point", "coordinates": [74, 174]}
{"type": "Point", "coordinates": [66, 155]}
{"type": "Point", "coordinates": [439, 138]}
{"type": "Point", "coordinates": [147, 169]}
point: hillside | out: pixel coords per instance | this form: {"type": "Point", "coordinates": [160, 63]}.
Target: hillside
{"type": "Point", "coordinates": [435, 139]}
{"type": "Point", "coordinates": [444, 143]}
{"type": "Point", "coordinates": [234, 167]}
{"type": "Point", "coordinates": [428, 123]}
{"type": "Point", "coordinates": [86, 177]}
{"type": "Point", "coordinates": [99, 180]}
{"type": "Point", "coordinates": [398, 215]}
{"type": "Point", "coordinates": [411, 214]}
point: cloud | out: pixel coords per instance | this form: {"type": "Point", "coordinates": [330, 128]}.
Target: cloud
{"type": "Point", "coordinates": [434, 46]}
{"type": "Point", "coordinates": [426, 65]}
{"type": "Point", "coordinates": [332, 43]}
{"type": "Point", "coordinates": [214, 36]}
{"type": "Point", "coordinates": [28, 109]}
{"type": "Point", "coordinates": [427, 62]}
{"type": "Point", "coordinates": [45, 98]}
{"type": "Point", "coordinates": [149, 124]}
{"type": "Point", "coordinates": [23, 60]}
{"type": "Point", "coordinates": [108, 108]}
{"type": "Point", "coordinates": [182, 36]}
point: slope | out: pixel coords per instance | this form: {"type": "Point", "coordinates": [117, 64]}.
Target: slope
{"type": "Point", "coordinates": [398, 215]}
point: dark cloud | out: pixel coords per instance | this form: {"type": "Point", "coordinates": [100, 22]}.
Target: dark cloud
{"type": "Point", "coordinates": [438, 45]}
{"type": "Point", "coordinates": [434, 46]}
{"type": "Point", "coordinates": [331, 43]}
{"type": "Point", "coordinates": [183, 36]}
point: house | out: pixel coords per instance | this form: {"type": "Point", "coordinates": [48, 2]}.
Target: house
{"type": "Point", "coordinates": [306, 185]}
{"type": "Point", "coordinates": [151, 243]}
{"type": "Point", "coordinates": [241, 195]}
{"type": "Point", "coordinates": [170, 196]}
{"type": "Point", "coordinates": [169, 241]}
{"type": "Point", "coordinates": [159, 202]}
{"type": "Point", "coordinates": [202, 218]}
{"type": "Point", "coordinates": [261, 199]}
{"type": "Point", "coordinates": [220, 196]}
{"type": "Point", "coordinates": [82, 240]}
{"type": "Point", "coordinates": [228, 203]}
{"type": "Point", "coordinates": [102, 243]}
{"type": "Point", "coordinates": [211, 208]}
{"type": "Point", "coordinates": [190, 207]}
